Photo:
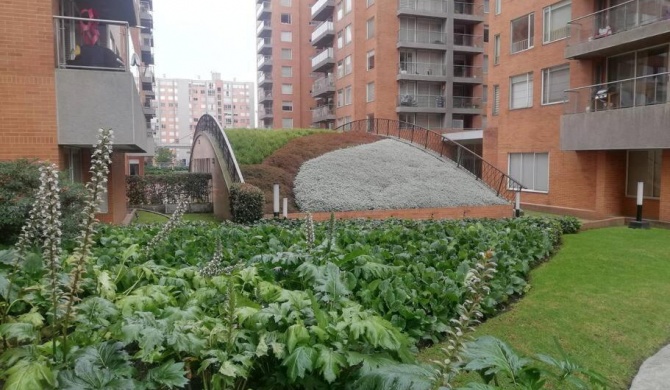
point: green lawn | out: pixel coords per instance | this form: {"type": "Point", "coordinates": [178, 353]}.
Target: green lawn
{"type": "Point", "coordinates": [605, 296]}
{"type": "Point", "coordinates": [252, 146]}
{"type": "Point", "coordinates": [147, 217]}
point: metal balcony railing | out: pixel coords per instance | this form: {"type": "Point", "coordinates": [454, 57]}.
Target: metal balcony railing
{"type": "Point", "coordinates": [467, 102]}
{"type": "Point", "coordinates": [421, 101]}
{"type": "Point", "coordinates": [322, 113]}
{"type": "Point", "coordinates": [262, 42]}
{"type": "Point", "coordinates": [633, 92]}
{"type": "Point", "coordinates": [319, 6]}
{"type": "Point", "coordinates": [262, 25]}
{"type": "Point", "coordinates": [265, 112]}
{"type": "Point", "coordinates": [476, 41]}
{"type": "Point", "coordinates": [323, 84]}
{"type": "Point", "coordinates": [323, 29]}
{"type": "Point", "coordinates": [263, 94]}
{"type": "Point", "coordinates": [468, 71]}
{"type": "Point", "coordinates": [264, 59]}
{"type": "Point", "coordinates": [262, 7]}
{"type": "Point", "coordinates": [262, 77]}
{"type": "Point", "coordinates": [323, 56]}
{"type": "Point", "coordinates": [421, 36]}
{"type": "Point", "coordinates": [617, 19]}
{"type": "Point", "coordinates": [103, 45]}
{"type": "Point", "coordinates": [423, 5]}
{"type": "Point", "coordinates": [423, 68]}
{"type": "Point", "coordinates": [465, 8]}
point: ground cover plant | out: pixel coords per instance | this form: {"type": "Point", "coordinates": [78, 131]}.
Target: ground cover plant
{"type": "Point", "coordinates": [146, 217]}
{"type": "Point", "coordinates": [283, 164]}
{"type": "Point", "coordinates": [252, 146]}
{"type": "Point", "coordinates": [603, 297]}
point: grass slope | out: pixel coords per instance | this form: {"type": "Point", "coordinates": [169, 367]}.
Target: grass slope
{"type": "Point", "coordinates": [605, 296]}
{"type": "Point", "coordinates": [252, 146]}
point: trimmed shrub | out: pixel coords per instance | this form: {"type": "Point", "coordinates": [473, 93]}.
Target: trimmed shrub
{"type": "Point", "coordinates": [155, 189]}
{"type": "Point", "coordinates": [570, 225]}
{"type": "Point", "coordinates": [19, 181]}
{"type": "Point", "coordinates": [246, 203]}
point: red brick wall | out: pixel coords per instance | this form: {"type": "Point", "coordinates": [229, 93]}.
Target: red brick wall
{"type": "Point", "coordinates": [664, 209]}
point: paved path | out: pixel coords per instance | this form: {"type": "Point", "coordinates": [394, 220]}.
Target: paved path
{"type": "Point", "coordinates": [654, 373]}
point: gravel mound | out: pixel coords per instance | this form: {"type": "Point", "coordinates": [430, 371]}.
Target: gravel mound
{"type": "Point", "coordinates": [386, 175]}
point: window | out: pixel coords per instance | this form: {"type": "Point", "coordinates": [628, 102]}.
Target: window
{"type": "Point", "coordinates": [370, 92]}
{"type": "Point", "coordinates": [486, 33]}
{"type": "Point", "coordinates": [370, 2]}
{"type": "Point", "coordinates": [486, 6]}
{"type": "Point", "coordinates": [285, 3]}
{"type": "Point", "coordinates": [347, 65]}
{"type": "Point", "coordinates": [285, 19]}
{"type": "Point", "coordinates": [287, 123]}
{"type": "Point", "coordinates": [644, 166]}
{"type": "Point", "coordinates": [371, 60]}
{"type": "Point", "coordinates": [286, 71]}
{"type": "Point", "coordinates": [347, 35]}
{"type": "Point", "coordinates": [340, 69]}
{"type": "Point", "coordinates": [555, 23]}
{"type": "Point", "coordinates": [485, 64]}
{"type": "Point", "coordinates": [340, 39]}
{"type": "Point", "coordinates": [496, 49]}
{"type": "Point", "coordinates": [498, 7]}
{"type": "Point", "coordinates": [340, 98]}
{"type": "Point", "coordinates": [340, 10]}
{"type": "Point", "coordinates": [485, 93]}
{"type": "Point", "coordinates": [286, 106]}
{"type": "Point", "coordinates": [370, 25]}
{"type": "Point", "coordinates": [347, 6]}
{"type": "Point", "coordinates": [521, 91]}
{"type": "Point", "coordinates": [496, 100]}
{"type": "Point", "coordinates": [286, 36]}
{"type": "Point", "coordinates": [531, 170]}
{"type": "Point", "coordinates": [554, 82]}
{"type": "Point", "coordinates": [287, 89]}
{"type": "Point", "coordinates": [347, 95]}
{"type": "Point", "coordinates": [286, 54]}
{"type": "Point", "coordinates": [522, 30]}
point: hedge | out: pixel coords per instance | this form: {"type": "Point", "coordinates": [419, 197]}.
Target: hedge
{"type": "Point", "coordinates": [156, 189]}
{"type": "Point", "coordinates": [246, 203]}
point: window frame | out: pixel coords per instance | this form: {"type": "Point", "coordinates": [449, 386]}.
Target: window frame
{"type": "Point", "coordinates": [530, 36]}
{"type": "Point", "coordinates": [289, 34]}
{"type": "Point", "coordinates": [370, 97]}
{"type": "Point", "coordinates": [370, 31]}
{"type": "Point", "coordinates": [495, 107]}
{"type": "Point", "coordinates": [544, 72]}
{"type": "Point", "coordinates": [496, 49]}
{"type": "Point", "coordinates": [529, 91]}
{"type": "Point", "coordinates": [644, 196]}
{"type": "Point", "coordinates": [546, 21]}
{"type": "Point", "coordinates": [285, 104]}
{"type": "Point", "coordinates": [370, 60]}
{"type": "Point", "coordinates": [289, 18]}
{"type": "Point", "coordinates": [520, 179]}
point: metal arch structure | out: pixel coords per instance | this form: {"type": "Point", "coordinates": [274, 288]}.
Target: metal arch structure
{"type": "Point", "coordinates": [498, 181]}
{"type": "Point", "coordinates": [211, 152]}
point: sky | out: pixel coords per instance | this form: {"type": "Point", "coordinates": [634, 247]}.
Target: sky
{"type": "Point", "coordinates": [195, 37]}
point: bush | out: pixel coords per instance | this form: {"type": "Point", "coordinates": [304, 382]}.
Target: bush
{"type": "Point", "coordinates": [570, 225]}
{"type": "Point", "coordinates": [19, 180]}
{"type": "Point", "coordinates": [246, 203]}
{"type": "Point", "coordinates": [155, 189]}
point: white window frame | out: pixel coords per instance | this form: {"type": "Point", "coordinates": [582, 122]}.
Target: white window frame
{"type": "Point", "coordinates": [348, 34]}
{"type": "Point", "coordinates": [370, 92]}
{"type": "Point", "coordinates": [286, 50]}
{"type": "Point", "coordinates": [285, 88]}
{"type": "Point", "coordinates": [530, 37]}
{"type": "Point", "coordinates": [288, 73]}
{"type": "Point", "coordinates": [370, 64]}
{"type": "Point", "coordinates": [348, 98]}
{"type": "Point", "coordinates": [289, 18]}
{"type": "Point", "coordinates": [546, 72]}
{"type": "Point", "coordinates": [287, 104]}
{"type": "Point", "coordinates": [283, 125]}
{"type": "Point", "coordinates": [370, 28]}
{"type": "Point", "coordinates": [498, 7]}
{"type": "Point", "coordinates": [495, 108]}
{"type": "Point", "coordinates": [546, 22]}
{"type": "Point", "coordinates": [521, 179]}
{"type": "Point", "coordinates": [529, 90]}
{"type": "Point", "coordinates": [496, 49]}
{"type": "Point", "coordinates": [348, 65]}
{"type": "Point", "coordinates": [286, 36]}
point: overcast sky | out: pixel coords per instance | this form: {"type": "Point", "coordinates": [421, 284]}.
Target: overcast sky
{"type": "Point", "coordinates": [195, 37]}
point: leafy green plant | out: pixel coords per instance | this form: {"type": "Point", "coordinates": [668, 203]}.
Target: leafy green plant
{"type": "Point", "coordinates": [570, 225]}
{"type": "Point", "coordinates": [170, 187]}
{"type": "Point", "coordinates": [246, 203]}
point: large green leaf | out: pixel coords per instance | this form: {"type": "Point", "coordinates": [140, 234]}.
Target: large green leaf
{"type": "Point", "coordinates": [295, 335]}
{"type": "Point", "coordinates": [169, 374]}
{"type": "Point", "coordinates": [19, 331]}
{"type": "Point", "coordinates": [300, 362]}
{"type": "Point", "coordinates": [330, 363]}
{"type": "Point", "coordinates": [493, 357]}
{"type": "Point", "coordinates": [397, 377]}
{"type": "Point", "coordinates": [29, 375]}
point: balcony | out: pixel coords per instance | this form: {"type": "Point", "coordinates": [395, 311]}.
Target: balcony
{"type": "Point", "coordinates": [624, 27]}
{"type": "Point", "coordinates": [422, 39]}
{"type": "Point", "coordinates": [149, 108]}
{"type": "Point", "coordinates": [323, 87]}
{"type": "Point", "coordinates": [323, 35]}
{"type": "Point", "coordinates": [468, 43]}
{"type": "Point", "coordinates": [148, 55]}
{"type": "Point", "coordinates": [468, 12]}
{"type": "Point", "coordinates": [264, 11]}
{"type": "Point", "coordinates": [426, 8]}
{"type": "Point", "coordinates": [460, 134]}
{"type": "Point", "coordinates": [323, 10]}
{"type": "Point", "coordinates": [324, 61]}
{"type": "Point", "coordinates": [265, 113]}
{"type": "Point", "coordinates": [146, 16]}
{"type": "Point", "coordinates": [625, 114]}
{"type": "Point", "coordinates": [468, 105]}
{"type": "Point", "coordinates": [422, 71]}
{"type": "Point", "coordinates": [264, 46]}
{"type": "Point", "coordinates": [147, 77]}
{"type": "Point", "coordinates": [421, 103]}
{"type": "Point", "coordinates": [264, 29]}
{"type": "Point", "coordinates": [323, 114]}
{"type": "Point", "coordinates": [264, 63]}
{"type": "Point", "coordinates": [95, 87]}
{"type": "Point", "coordinates": [264, 79]}
{"type": "Point", "coordinates": [465, 74]}
{"type": "Point", "coordinates": [264, 95]}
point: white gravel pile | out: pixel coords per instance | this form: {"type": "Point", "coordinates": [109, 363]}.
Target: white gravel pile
{"type": "Point", "coordinates": [386, 175]}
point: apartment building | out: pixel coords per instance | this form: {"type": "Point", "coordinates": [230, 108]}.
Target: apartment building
{"type": "Point", "coordinates": [181, 103]}
{"type": "Point", "coordinates": [580, 111]}
{"type": "Point", "coordinates": [69, 67]}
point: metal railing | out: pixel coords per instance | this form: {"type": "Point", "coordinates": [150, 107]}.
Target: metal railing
{"type": "Point", "coordinates": [322, 113]}
{"type": "Point", "coordinates": [498, 181]}
{"type": "Point", "coordinates": [260, 26]}
{"type": "Point", "coordinates": [422, 36]}
{"type": "Point", "coordinates": [263, 77]}
{"type": "Point", "coordinates": [323, 84]}
{"type": "Point", "coordinates": [264, 59]}
{"type": "Point", "coordinates": [468, 102]}
{"type": "Point", "coordinates": [633, 92]}
{"type": "Point", "coordinates": [319, 5]}
{"type": "Point", "coordinates": [522, 45]}
{"type": "Point", "coordinates": [617, 19]}
{"type": "Point", "coordinates": [262, 7]}
{"type": "Point", "coordinates": [465, 8]}
{"type": "Point", "coordinates": [264, 112]}
{"type": "Point", "coordinates": [423, 5]}
{"type": "Point", "coordinates": [468, 71]}
{"type": "Point", "coordinates": [207, 124]}
{"type": "Point", "coordinates": [322, 56]}
{"type": "Point", "coordinates": [262, 42]}
{"type": "Point", "coordinates": [80, 44]}
{"type": "Point", "coordinates": [423, 68]}
{"type": "Point", "coordinates": [422, 101]}
{"type": "Point", "coordinates": [469, 40]}
{"type": "Point", "coordinates": [322, 29]}
{"type": "Point", "coordinates": [262, 94]}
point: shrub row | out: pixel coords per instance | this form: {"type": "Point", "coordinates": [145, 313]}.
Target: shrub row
{"type": "Point", "coordinates": [246, 203]}
{"type": "Point", "coordinates": [156, 189]}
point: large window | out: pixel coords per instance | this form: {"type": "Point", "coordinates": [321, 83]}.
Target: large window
{"type": "Point", "coordinates": [496, 49]}
{"type": "Point", "coordinates": [347, 95]}
{"type": "Point", "coordinates": [554, 82]}
{"type": "Point", "coordinates": [286, 54]}
{"type": "Point", "coordinates": [287, 89]}
{"type": "Point", "coordinates": [287, 123]}
{"type": "Point", "coordinates": [522, 31]}
{"type": "Point", "coordinates": [556, 18]}
{"type": "Point", "coordinates": [370, 28]}
{"type": "Point", "coordinates": [286, 36]}
{"type": "Point", "coordinates": [347, 35]}
{"type": "Point", "coordinates": [521, 91]}
{"type": "Point", "coordinates": [370, 92]}
{"type": "Point", "coordinates": [347, 65]}
{"type": "Point", "coordinates": [531, 170]}
{"type": "Point", "coordinates": [644, 166]}
{"type": "Point", "coordinates": [287, 106]}
{"type": "Point", "coordinates": [498, 7]}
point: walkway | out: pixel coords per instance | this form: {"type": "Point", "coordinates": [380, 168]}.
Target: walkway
{"type": "Point", "coordinates": [654, 373]}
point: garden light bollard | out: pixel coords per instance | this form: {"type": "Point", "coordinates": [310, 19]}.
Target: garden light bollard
{"type": "Point", "coordinates": [517, 204]}
{"type": "Point", "coordinates": [276, 201]}
{"type": "Point", "coordinates": [638, 223]}
{"type": "Point", "coordinates": [285, 209]}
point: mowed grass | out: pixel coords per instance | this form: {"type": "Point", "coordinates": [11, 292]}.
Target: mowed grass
{"type": "Point", "coordinates": [605, 296]}
{"type": "Point", "coordinates": [147, 217]}
{"type": "Point", "coordinates": [252, 146]}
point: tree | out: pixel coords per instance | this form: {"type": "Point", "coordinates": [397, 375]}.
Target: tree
{"type": "Point", "coordinates": [164, 157]}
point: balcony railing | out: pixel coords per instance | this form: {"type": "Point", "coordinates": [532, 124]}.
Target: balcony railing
{"type": "Point", "coordinates": [617, 19]}
{"type": "Point", "coordinates": [633, 92]}
{"type": "Point", "coordinates": [263, 42]}
{"type": "Point", "coordinates": [423, 5]}
{"type": "Point", "coordinates": [422, 36]}
{"type": "Point", "coordinates": [263, 77]}
{"type": "Point", "coordinates": [465, 8]}
{"type": "Point", "coordinates": [264, 60]}
{"type": "Point", "coordinates": [476, 41]}
{"type": "Point", "coordinates": [263, 25]}
{"type": "Point", "coordinates": [323, 84]}
{"type": "Point", "coordinates": [262, 8]}
{"type": "Point", "coordinates": [264, 112]}
{"type": "Point", "coordinates": [263, 94]}
{"type": "Point", "coordinates": [323, 113]}
{"type": "Point", "coordinates": [468, 71]}
{"type": "Point", "coordinates": [323, 56]}
{"type": "Point", "coordinates": [467, 102]}
{"type": "Point", "coordinates": [323, 29]}
{"type": "Point", "coordinates": [77, 49]}
{"type": "Point", "coordinates": [319, 7]}
{"type": "Point", "coordinates": [421, 101]}
{"type": "Point", "coordinates": [423, 68]}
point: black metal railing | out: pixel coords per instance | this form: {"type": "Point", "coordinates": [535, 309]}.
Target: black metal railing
{"type": "Point", "coordinates": [207, 124]}
{"type": "Point", "coordinates": [498, 181]}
